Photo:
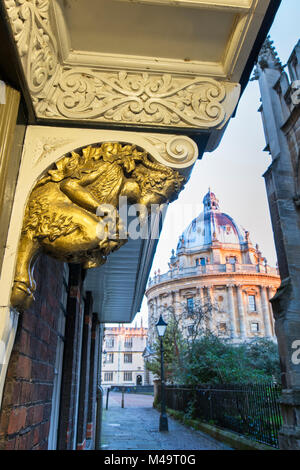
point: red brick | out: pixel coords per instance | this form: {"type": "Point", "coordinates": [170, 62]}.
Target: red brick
{"type": "Point", "coordinates": [45, 430]}
{"type": "Point", "coordinates": [29, 321]}
{"type": "Point", "coordinates": [24, 342]}
{"type": "Point", "coordinates": [50, 373]}
{"type": "Point", "coordinates": [10, 444]}
{"type": "Point", "coordinates": [36, 435]}
{"type": "Point", "coordinates": [17, 420]}
{"type": "Point", "coordinates": [27, 392]}
{"type": "Point", "coordinates": [45, 311]}
{"type": "Point", "coordinates": [34, 347]}
{"type": "Point", "coordinates": [39, 370]}
{"type": "Point", "coordinates": [41, 446]}
{"type": "Point", "coordinates": [23, 367]}
{"type": "Point", "coordinates": [5, 414]}
{"type": "Point", "coordinates": [35, 415]}
{"type": "Point", "coordinates": [44, 392]}
{"type": "Point", "coordinates": [12, 393]}
{"type": "Point", "coordinates": [38, 414]}
{"type": "Point", "coordinates": [47, 411]}
{"type": "Point", "coordinates": [22, 442]}
{"type": "Point", "coordinates": [45, 334]}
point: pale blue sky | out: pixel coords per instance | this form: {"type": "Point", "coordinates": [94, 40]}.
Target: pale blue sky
{"type": "Point", "coordinates": [234, 171]}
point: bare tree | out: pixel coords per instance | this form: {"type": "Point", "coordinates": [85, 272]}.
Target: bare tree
{"type": "Point", "coordinates": [193, 319]}
{"type": "Point", "coordinates": [187, 322]}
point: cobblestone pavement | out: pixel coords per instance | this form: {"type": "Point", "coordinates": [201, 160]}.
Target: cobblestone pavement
{"type": "Point", "coordinates": [135, 427]}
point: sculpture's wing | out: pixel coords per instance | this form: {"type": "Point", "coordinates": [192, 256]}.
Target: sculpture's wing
{"type": "Point", "coordinates": [107, 187]}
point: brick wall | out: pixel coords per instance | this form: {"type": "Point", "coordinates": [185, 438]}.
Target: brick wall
{"type": "Point", "coordinates": [26, 407]}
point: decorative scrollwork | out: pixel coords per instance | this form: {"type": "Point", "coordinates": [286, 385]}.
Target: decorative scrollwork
{"type": "Point", "coordinates": [80, 93]}
{"type": "Point", "coordinates": [138, 98]}
{"type": "Point", "coordinates": [35, 41]}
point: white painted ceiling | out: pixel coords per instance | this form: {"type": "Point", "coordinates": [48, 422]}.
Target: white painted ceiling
{"type": "Point", "coordinates": [115, 27]}
{"type": "Point", "coordinates": [205, 37]}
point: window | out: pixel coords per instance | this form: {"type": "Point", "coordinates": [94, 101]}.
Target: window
{"type": "Point", "coordinates": [109, 358]}
{"type": "Point", "coordinates": [128, 357]}
{"type": "Point", "coordinates": [128, 342]}
{"type": "Point", "coordinates": [223, 328]}
{"type": "Point", "coordinates": [252, 303]}
{"type": "Point", "coordinates": [200, 262]}
{"type": "Point", "coordinates": [108, 376]}
{"type": "Point", "coordinates": [127, 376]}
{"type": "Point", "coordinates": [110, 342]}
{"type": "Point", "coordinates": [190, 304]}
{"type": "Point", "coordinates": [254, 327]}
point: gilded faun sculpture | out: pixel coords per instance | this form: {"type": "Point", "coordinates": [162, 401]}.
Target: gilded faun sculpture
{"type": "Point", "coordinates": [61, 214]}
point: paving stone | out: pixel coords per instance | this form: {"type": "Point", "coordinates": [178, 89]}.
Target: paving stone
{"type": "Point", "coordinates": [136, 426]}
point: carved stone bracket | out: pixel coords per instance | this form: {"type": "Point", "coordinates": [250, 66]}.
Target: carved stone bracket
{"type": "Point", "coordinates": [71, 92]}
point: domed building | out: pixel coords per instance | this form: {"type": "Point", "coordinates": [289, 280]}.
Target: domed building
{"type": "Point", "coordinates": [216, 260]}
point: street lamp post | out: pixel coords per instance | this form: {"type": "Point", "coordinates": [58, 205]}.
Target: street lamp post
{"type": "Point", "coordinates": [161, 326]}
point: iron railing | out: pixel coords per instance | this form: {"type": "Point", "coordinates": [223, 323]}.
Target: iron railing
{"type": "Point", "coordinates": [251, 410]}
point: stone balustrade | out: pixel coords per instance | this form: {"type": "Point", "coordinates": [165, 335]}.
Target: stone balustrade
{"type": "Point", "coordinates": [179, 273]}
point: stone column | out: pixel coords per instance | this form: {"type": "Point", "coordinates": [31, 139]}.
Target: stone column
{"type": "Point", "coordinates": [271, 292]}
{"type": "Point", "coordinates": [210, 292]}
{"type": "Point", "coordinates": [282, 183]}
{"type": "Point", "coordinates": [265, 311]}
{"type": "Point", "coordinates": [202, 301]}
{"type": "Point", "coordinates": [233, 332]}
{"type": "Point", "coordinates": [241, 311]}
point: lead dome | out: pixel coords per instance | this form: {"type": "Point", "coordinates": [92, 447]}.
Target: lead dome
{"type": "Point", "coordinates": [211, 226]}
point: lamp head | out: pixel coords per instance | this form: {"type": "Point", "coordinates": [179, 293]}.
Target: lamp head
{"type": "Point", "coordinates": [161, 326]}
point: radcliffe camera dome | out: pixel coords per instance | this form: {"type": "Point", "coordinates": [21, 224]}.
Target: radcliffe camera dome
{"type": "Point", "coordinates": [216, 262]}
{"type": "Point", "coordinates": [210, 226]}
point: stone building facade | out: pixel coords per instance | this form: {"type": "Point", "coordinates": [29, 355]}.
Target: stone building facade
{"type": "Point", "coordinates": [280, 111]}
{"type": "Point", "coordinates": [215, 262]}
{"type": "Point", "coordinates": [123, 362]}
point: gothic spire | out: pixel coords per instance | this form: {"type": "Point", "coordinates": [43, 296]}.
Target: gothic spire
{"type": "Point", "coordinates": [268, 57]}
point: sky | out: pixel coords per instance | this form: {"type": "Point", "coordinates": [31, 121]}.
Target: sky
{"type": "Point", "coordinates": [234, 170]}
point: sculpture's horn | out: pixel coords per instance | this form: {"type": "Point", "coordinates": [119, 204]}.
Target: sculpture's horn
{"type": "Point", "coordinates": [156, 166]}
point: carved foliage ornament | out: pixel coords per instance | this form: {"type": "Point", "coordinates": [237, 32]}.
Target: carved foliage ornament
{"type": "Point", "coordinates": [35, 41]}
{"type": "Point", "coordinates": [137, 98]}
{"type": "Point", "coordinates": [61, 216]}
{"type": "Point", "coordinates": [80, 93]}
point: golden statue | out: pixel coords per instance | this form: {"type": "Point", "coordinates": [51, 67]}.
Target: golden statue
{"type": "Point", "coordinates": [61, 214]}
